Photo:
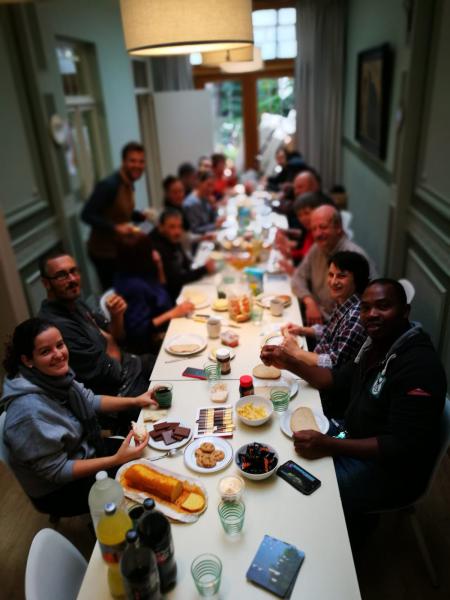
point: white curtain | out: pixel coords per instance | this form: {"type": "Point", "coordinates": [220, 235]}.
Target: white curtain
{"type": "Point", "coordinates": [171, 73]}
{"type": "Point", "coordinates": [319, 72]}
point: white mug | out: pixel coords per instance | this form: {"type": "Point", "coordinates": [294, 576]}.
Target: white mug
{"type": "Point", "coordinates": [213, 325]}
{"type": "Point", "coordinates": [276, 307]}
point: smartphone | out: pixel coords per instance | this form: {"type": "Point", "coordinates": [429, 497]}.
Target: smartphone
{"type": "Point", "coordinates": [298, 477]}
{"type": "Point", "coordinates": [195, 373]}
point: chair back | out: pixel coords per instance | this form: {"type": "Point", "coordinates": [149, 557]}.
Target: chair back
{"type": "Point", "coordinates": [55, 569]}
{"type": "Point", "coordinates": [410, 290]}
{"type": "Point", "coordinates": [4, 452]}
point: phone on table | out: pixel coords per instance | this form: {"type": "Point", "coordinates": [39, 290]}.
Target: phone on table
{"type": "Point", "coordinates": [298, 477]}
{"type": "Point", "coordinates": [195, 373]}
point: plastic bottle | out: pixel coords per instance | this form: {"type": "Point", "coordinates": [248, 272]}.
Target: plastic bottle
{"type": "Point", "coordinates": [103, 491]}
{"type": "Point", "coordinates": [246, 386]}
{"type": "Point", "coordinates": [111, 532]}
{"type": "Point", "coordinates": [154, 532]}
{"type": "Point", "coordinates": [139, 570]}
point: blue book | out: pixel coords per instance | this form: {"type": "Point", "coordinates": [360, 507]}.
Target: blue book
{"type": "Point", "coordinates": [276, 566]}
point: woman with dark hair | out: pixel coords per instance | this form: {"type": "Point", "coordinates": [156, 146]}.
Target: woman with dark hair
{"type": "Point", "coordinates": [342, 337]}
{"type": "Point", "coordinates": [51, 429]}
{"type": "Point", "coordinates": [140, 281]}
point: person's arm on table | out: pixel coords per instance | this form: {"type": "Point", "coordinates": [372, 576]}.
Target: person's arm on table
{"type": "Point", "coordinates": [118, 403]}
{"type": "Point", "coordinates": [313, 444]}
{"type": "Point", "coordinates": [181, 310]}
{"type": "Point", "coordinates": [319, 377]}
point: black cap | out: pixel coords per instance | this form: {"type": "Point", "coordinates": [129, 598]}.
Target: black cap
{"type": "Point", "coordinates": [132, 536]}
{"type": "Point", "coordinates": [149, 504]}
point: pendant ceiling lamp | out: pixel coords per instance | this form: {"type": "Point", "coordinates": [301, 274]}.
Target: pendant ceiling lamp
{"type": "Point", "coordinates": [214, 59]}
{"type": "Point", "coordinates": [166, 27]}
{"type": "Point", "coordinates": [244, 66]}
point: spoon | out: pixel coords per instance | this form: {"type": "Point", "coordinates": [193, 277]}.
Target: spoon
{"type": "Point", "coordinates": [167, 454]}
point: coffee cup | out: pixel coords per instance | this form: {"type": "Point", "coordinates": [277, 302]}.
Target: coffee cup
{"type": "Point", "coordinates": [213, 325]}
{"type": "Point", "coordinates": [276, 307]}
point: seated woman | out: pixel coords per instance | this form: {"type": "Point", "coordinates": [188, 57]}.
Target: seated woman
{"type": "Point", "coordinates": [342, 337]}
{"type": "Point", "coordinates": [51, 429]}
{"type": "Point", "coordinates": [140, 280]}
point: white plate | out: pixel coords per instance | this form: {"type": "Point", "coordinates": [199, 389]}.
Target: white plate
{"type": "Point", "coordinates": [185, 338]}
{"type": "Point", "coordinates": [322, 422]}
{"type": "Point", "coordinates": [198, 299]}
{"type": "Point", "coordinates": [277, 338]}
{"type": "Point", "coordinates": [219, 443]}
{"type": "Point", "coordinates": [264, 300]}
{"type": "Point", "coordinates": [161, 445]}
{"type": "Point", "coordinates": [286, 380]}
{"type": "Point", "coordinates": [212, 355]}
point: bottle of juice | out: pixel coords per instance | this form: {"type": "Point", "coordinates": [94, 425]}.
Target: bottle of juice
{"type": "Point", "coordinates": [103, 491]}
{"type": "Point", "coordinates": [111, 533]}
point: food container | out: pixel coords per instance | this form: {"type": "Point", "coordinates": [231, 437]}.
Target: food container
{"type": "Point", "coordinates": [257, 402]}
{"type": "Point", "coordinates": [256, 476]}
{"type": "Point", "coordinates": [240, 307]}
{"type": "Point", "coordinates": [231, 488]}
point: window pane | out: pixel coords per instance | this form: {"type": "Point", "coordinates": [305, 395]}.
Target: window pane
{"type": "Point", "coordinates": [195, 58]}
{"type": "Point", "coordinates": [264, 17]}
{"type": "Point", "coordinates": [269, 51]}
{"type": "Point", "coordinates": [140, 74]}
{"type": "Point", "coordinates": [287, 49]}
{"type": "Point", "coordinates": [287, 16]}
{"type": "Point", "coordinates": [286, 33]}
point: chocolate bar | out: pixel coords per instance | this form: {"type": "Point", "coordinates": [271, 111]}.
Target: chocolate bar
{"type": "Point", "coordinates": [165, 425]}
{"type": "Point", "coordinates": [167, 437]}
{"type": "Point", "coordinates": [156, 435]}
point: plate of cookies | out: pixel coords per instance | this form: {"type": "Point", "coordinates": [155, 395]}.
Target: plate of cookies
{"type": "Point", "coordinates": [208, 454]}
{"type": "Point", "coordinates": [164, 434]}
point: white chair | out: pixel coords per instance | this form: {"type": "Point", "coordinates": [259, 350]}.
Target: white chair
{"type": "Point", "coordinates": [55, 569]}
{"type": "Point", "coordinates": [410, 290]}
{"type": "Point", "coordinates": [102, 303]}
{"type": "Point", "coordinates": [410, 509]}
{"type": "Point", "coordinates": [347, 218]}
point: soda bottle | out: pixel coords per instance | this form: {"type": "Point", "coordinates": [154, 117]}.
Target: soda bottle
{"type": "Point", "coordinates": [154, 532]}
{"type": "Point", "coordinates": [103, 491]}
{"type": "Point", "coordinates": [111, 532]}
{"type": "Point", "coordinates": [139, 570]}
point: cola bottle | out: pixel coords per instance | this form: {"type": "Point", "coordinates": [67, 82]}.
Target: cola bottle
{"type": "Point", "coordinates": [139, 570]}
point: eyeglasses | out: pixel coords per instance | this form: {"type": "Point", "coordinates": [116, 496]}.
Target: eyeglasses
{"type": "Point", "coordinates": [64, 275]}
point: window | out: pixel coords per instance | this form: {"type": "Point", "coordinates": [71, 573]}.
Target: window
{"type": "Point", "coordinates": [228, 130]}
{"type": "Point", "coordinates": [274, 32]}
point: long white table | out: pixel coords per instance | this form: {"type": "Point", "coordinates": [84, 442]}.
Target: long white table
{"type": "Point", "coordinates": [315, 524]}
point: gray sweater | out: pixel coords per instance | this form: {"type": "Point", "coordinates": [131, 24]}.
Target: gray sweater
{"type": "Point", "coordinates": [43, 436]}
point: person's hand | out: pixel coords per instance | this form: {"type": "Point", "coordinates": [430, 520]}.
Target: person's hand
{"type": "Point", "coordinates": [210, 236]}
{"type": "Point", "coordinates": [219, 222]}
{"type": "Point", "coordinates": [124, 229]}
{"type": "Point", "coordinates": [180, 310]}
{"type": "Point", "coordinates": [290, 345]}
{"type": "Point", "coordinates": [151, 214]}
{"type": "Point", "coordinates": [210, 265]}
{"type": "Point", "coordinates": [312, 312]}
{"type": "Point", "coordinates": [286, 265]}
{"type": "Point", "coordinates": [276, 356]}
{"type": "Point", "coordinates": [116, 305]}
{"type": "Point", "coordinates": [156, 257]}
{"type": "Point", "coordinates": [311, 444]}
{"type": "Point", "coordinates": [291, 329]}
{"type": "Point", "coordinates": [146, 399]}
{"type": "Point", "coordinates": [126, 452]}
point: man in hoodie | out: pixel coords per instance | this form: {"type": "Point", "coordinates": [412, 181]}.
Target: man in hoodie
{"type": "Point", "coordinates": [395, 391]}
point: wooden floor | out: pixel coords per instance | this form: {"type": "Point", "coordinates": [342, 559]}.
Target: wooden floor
{"type": "Point", "coordinates": [389, 566]}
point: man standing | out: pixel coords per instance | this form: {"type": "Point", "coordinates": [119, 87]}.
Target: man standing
{"type": "Point", "coordinates": [110, 211]}
{"type": "Point", "coordinates": [167, 239]}
{"type": "Point", "coordinates": [309, 280]}
{"type": "Point", "coordinates": [94, 353]}
{"type": "Point", "coordinates": [395, 391]}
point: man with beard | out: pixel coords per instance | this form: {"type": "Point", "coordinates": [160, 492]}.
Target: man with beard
{"type": "Point", "coordinates": [95, 355]}
{"type": "Point", "coordinates": [110, 211]}
{"type": "Point", "coordinates": [309, 280]}
{"type": "Point", "coordinates": [395, 391]}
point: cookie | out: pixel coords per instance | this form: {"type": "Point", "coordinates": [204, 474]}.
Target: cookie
{"type": "Point", "coordinates": [218, 455]}
{"type": "Point", "coordinates": [198, 453]}
{"type": "Point", "coordinates": [207, 447]}
{"type": "Point", "coordinates": [206, 461]}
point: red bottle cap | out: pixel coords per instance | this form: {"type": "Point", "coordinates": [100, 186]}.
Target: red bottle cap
{"type": "Point", "coordinates": [246, 381]}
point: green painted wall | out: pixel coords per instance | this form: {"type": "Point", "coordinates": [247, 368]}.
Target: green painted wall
{"type": "Point", "coordinates": [368, 180]}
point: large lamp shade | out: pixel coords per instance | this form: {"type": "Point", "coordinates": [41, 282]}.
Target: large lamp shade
{"type": "Point", "coordinates": [165, 27]}
{"type": "Point", "coordinates": [244, 66]}
{"type": "Point", "coordinates": [210, 59]}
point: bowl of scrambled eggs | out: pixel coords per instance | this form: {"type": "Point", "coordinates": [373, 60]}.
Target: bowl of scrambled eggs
{"type": "Point", "coordinates": [254, 410]}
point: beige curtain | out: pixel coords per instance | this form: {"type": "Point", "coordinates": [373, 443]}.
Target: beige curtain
{"type": "Point", "coordinates": [171, 73]}
{"type": "Point", "coordinates": [319, 72]}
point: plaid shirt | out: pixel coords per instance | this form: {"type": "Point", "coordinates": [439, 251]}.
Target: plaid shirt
{"type": "Point", "coordinates": [342, 336]}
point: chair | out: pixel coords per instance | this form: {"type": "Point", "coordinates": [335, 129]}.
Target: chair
{"type": "Point", "coordinates": [410, 509]}
{"type": "Point", "coordinates": [102, 303]}
{"type": "Point", "coordinates": [55, 569]}
{"type": "Point", "coordinates": [409, 289]}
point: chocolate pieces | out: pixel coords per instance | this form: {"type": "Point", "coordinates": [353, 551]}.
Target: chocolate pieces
{"type": "Point", "coordinates": [169, 432]}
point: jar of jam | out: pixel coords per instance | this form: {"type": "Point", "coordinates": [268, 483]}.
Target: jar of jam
{"type": "Point", "coordinates": [246, 386]}
{"type": "Point", "coordinates": [223, 357]}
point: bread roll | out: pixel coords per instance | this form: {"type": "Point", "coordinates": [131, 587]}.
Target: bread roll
{"type": "Point", "coordinates": [303, 418]}
{"type": "Point", "coordinates": [263, 372]}
{"type": "Point", "coordinates": [146, 480]}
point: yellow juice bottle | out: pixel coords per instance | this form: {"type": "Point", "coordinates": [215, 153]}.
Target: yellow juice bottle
{"type": "Point", "coordinates": [111, 533]}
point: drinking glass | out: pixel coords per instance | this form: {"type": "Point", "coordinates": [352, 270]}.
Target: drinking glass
{"type": "Point", "coordinates": [206, 571]}
{"type": "Point", "coordinates": [280, 399]}
{"type": "Point", "coordinates": [163, 395]}
{"type": "Point", "coordinates": [212, 372]}
{"type": "Point", "coordinates": [257, 315]}
{"type": "Point", "coordinates": [232, 516]}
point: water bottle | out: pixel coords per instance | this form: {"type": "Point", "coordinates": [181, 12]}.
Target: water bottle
{"type": "Point", "coordinates": [155, 533]}
{"type": "Point", "coordinates": [103, 491]}
{"type": "Point", "coordinates": [139, 570]}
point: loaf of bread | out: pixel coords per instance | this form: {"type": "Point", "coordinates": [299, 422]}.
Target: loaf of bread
{"type": "Point", "coordinates": [146, 479]}
{"type": "Point", "coordinates": [263, 372]}
{"type": "Point", "coordinates": [302, 419]}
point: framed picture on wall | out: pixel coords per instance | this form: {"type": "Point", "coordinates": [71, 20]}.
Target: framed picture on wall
{"type": "Point", "coordinates": [372, 98]}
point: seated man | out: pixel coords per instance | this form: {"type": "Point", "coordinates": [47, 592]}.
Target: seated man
{"type": "Point", "coordinates": [309, 280]}
{"type": "Point", "coordinates": [395, 390]}
{"type": "Point", "coordinates": [188, 177]}
{"type": "Point", "coordinates": [167, 239]}
{"type": "Point", "coordinates": [95, 355]}
{"type": "Point", "coordinates": [199, 206]}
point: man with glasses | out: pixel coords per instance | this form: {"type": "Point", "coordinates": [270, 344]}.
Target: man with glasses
{"type": "Point", "coordinates": [93, 343]}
